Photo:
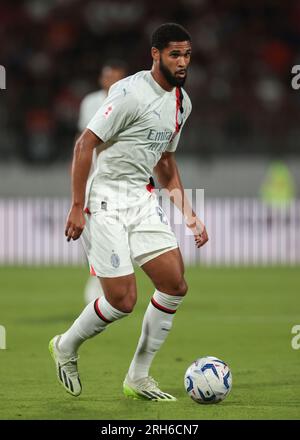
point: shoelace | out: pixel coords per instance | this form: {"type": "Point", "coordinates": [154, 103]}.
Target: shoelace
{"type": "Point", "coordinates": [149, 384]}
{"type": "Point", "coordinates": [72, 362]}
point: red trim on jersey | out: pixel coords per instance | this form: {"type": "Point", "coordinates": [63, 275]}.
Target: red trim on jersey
{"type": "Point", "coordinates": [161, 308]}
{"type": "Point", "coordinates": [92, 271]}
{"type": "Point", "coordinates": [178, 104]}
{"type": "Point", "coordinates": [150, 187]}
{"type": "Point", "coordinates": [87, 211]}
{"type": "Point", "coordinates": [98, 312]}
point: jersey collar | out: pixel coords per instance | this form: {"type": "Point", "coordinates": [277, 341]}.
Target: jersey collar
{"type": "Point", "coordinates": [157, 87]}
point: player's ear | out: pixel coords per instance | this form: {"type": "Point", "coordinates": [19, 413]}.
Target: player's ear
{"type": "Point", "coordinates": [155, 54]}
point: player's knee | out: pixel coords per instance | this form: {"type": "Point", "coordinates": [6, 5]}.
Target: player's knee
{"type": "Point", "coordinates": [175, 287]}
{"type": "Point", "coordinates": [181, 288]}
{"type": "Point", "coordinates": [126, 307]}
{"type": "Point", "coordinates": [127, 302]}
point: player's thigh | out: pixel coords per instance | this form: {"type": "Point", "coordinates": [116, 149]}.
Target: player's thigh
{"type": "Point", "coordinates": [106, 245]}
{"type": "Point", "coordinates": [150, 232]}
{"type": "Point", "coordinates": [167, 272]}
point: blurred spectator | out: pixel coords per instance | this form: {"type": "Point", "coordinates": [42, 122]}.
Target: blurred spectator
{"type": "Point", "coordinates": [278, 188]}
{"type": "Point", "coordinates": [239, 79]}
{"type": "Point", "coordinates": [111, 72]}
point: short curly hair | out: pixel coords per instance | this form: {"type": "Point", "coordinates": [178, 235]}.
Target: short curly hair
{"type": "Point", "coordinates": [167, 32]}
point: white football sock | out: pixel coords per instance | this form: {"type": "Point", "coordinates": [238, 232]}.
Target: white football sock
{"type": "Point", "coordinates": [156, 325]}
{"type": "Point", "coordinates": [92, 321]}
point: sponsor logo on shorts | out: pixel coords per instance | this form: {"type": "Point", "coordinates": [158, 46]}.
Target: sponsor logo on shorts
{"type": "Point", "coordinates": [115, 260]}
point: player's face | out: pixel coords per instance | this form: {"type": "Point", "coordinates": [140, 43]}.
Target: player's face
{"type": "Point", "coordinates": [109, 76]}
{"type": "Point", "coordinates": [174, 61]}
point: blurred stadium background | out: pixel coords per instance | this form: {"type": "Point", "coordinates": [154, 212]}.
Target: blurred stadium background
{"type": "Point", "coordinates": [241, 145]}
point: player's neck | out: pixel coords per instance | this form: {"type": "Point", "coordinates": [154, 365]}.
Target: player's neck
{"type": "Point", "coordinates": [161, 80]}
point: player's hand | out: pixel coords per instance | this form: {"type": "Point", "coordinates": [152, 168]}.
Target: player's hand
{"type": "Point", "coordinates": [199, 231]}
{"type": "Point", "coordinates": [75, 223]}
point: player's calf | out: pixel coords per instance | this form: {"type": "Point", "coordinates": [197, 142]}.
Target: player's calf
{"type": "Point", "coordinates": [157, 324]}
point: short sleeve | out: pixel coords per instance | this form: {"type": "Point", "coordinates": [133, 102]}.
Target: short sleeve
{"type": "Point", "coordinates": [119, 110]}
{"type": "Point", "coordinates": [187, 111]}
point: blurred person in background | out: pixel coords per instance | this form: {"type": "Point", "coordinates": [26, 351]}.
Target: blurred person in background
{"type": "Point", "coordinates": [111, 72]}
{"type": "Point", "coordinates": [278, 187]}
{"type": "Point", "coordinates": [277, 192]}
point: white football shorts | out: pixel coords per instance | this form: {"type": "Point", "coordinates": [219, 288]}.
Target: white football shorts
{"type": "Point", "coordinates": [114, 239]}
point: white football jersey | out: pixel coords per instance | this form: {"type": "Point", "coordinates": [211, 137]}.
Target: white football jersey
{"type": "Point", "coordinates": [138, 121]}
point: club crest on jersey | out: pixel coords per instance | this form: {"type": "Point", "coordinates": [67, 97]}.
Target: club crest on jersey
{"type": "Point", "coordinates": [108, 111]}
{"type": "Point", "coordinates": [115, 260]}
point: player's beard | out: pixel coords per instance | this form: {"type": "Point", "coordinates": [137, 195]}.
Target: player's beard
{"type": "Point", "coordinates": [172, 79]}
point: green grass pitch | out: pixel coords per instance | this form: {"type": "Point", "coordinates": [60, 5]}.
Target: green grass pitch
{"type": "Point", "coordinates": [241, 315]}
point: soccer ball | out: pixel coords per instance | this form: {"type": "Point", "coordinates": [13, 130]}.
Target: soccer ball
{"type": "Point", "coordinates": [208, 380]}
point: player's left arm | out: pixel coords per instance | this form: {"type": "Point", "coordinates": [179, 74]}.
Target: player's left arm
{"type": "Point", "coordinates": [169, 178]}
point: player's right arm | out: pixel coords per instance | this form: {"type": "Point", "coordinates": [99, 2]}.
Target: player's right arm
{"type": "Point", "coordinates": [118, 111]}
{"type": "Point", "coordinates": [82, 159]}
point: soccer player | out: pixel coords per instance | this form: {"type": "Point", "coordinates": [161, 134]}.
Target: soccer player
{"type": "Point", "coordinates": [118, 215]}
{"type": "Point", "coordinates": [111, 72]}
